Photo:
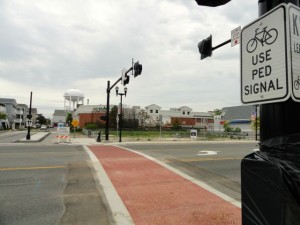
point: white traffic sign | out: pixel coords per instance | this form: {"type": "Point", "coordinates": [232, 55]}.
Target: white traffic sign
{"type": "Point", "coordinates": [63, 130]}
{"type": "Point", "coordinates": [236, 36]}
{"type": "Point", "coordinates": [123, 75]}
{"type": "Point", "coordinates": [294, 25]}
{"type": "Point", "coordinates": [29, 123]}
{"type": "Point", "coordinates": [264, 59]}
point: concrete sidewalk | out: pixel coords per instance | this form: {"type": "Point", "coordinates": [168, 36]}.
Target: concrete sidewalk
{"type": "Point", "coordinates": [154, 194]}
{"type": "Point", "coordinates": [36, 137]}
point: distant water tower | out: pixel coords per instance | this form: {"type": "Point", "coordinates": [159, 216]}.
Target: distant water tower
{"type": "Point", "coordinates": [73, 96]}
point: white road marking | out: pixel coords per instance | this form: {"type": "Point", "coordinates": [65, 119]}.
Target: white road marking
{"type": "Point", "coordinates": [205, 152]}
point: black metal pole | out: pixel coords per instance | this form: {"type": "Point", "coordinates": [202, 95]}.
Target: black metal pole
{"type": "Point", "coordinates": [267, 177]}
{"type": "Point", "coordinates": [120, 121]}
{"type": "Point", "coordinates": [278, 119]}
{"type": "Point", "coordinates": [107, 112]}
{"type": "Point", "coordinates": [256, 119]}
{"type": "Point", "coordinates": [107, 104]}
{"type": "Point", "coordinates": [29, 117]}
{"type": "Point", "coordinates": [220, 45]}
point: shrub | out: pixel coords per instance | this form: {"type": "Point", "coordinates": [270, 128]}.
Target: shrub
{"type": "Point", "coordinates": [91, 126]}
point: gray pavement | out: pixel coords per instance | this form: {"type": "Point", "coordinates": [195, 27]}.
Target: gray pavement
{"type": "Point", "coordinates": [36, 137]}
{"type": "Point", "coordinates": [110, 196]}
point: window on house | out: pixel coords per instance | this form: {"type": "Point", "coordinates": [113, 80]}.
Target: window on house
{"type": "Point", "coordinates": [188, 113]}
{"type": "Point", "coordinates": [151, 111]}
{"type": "Point", "coordinates": [183, 112]}
{"type": "Point", "coordinates": [156, 111]}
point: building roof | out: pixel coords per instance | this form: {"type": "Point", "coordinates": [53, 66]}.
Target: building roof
{"type": "Point", "coordinates": [91, 108]}
{"type": "Point", "coordinates": [22, 105]}
{"type": "Point", "coordinates": [238, 112]}
{"type": "Point", "coordinates": [153, 106]}
{"type": "Point", "coordinates": [182, 108]}
{"type": "Point", "coordinates": [8, 101]}
{"type": "Point", "coordinates": [59, 112]}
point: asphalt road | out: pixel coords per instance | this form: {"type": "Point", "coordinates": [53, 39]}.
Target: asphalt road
{"type": "Point", "coordinates": [215, 163]}
{"type": "Point", "coordinates": [48, 184]}
{"type": "Point", "coordinates": [12, 136]}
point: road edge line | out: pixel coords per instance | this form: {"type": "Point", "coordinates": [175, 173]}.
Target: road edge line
{"type": "Point", "coordinates": [120, 213]}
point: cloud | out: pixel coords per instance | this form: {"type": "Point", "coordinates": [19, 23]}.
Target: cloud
{"type": "Point", "coordinates": [51, 46]}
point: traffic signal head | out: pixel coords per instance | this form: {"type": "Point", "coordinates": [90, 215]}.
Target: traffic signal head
{"type": "Point", "coordinates": [29, 116]}
{"type": "Point", "coordinates": [137, 69]}
{"type": "Point", "coordinates": [205, 47]}
{"type": "Point", "coordinates": [212, 3]}
{"type": "Point", "coordinates": [126, 79]}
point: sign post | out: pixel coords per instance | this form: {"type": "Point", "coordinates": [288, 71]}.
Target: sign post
{"type": "Point", "coordinates": [269, 74]}
{"type": "Point", "coordinates": [75, 123]}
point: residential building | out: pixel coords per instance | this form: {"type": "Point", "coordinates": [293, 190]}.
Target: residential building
{"type": "Point", "coordinates": [184, 115]}
{"type": "Point", "coordinates": [11, 110]}
{"type": "Point", "coordinates": [187, 118]}
{"type": "Point", "coordinates": [4, 124]}
{"type": "Point", "coordinates": [21, 115]}
{"type": "Point", "coordinates": [59, 116]}
{"type": "Point", "coordinates": [34, 114]}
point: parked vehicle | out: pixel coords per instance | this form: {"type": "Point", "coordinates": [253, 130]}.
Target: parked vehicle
{"type": "Point", "coordinates": [44, 127]}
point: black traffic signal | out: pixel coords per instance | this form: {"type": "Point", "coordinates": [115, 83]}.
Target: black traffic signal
{"type": "Point", "coordinates": [137, 69]}
{"type": "Point", "coordinates": [205, 47]}
{"type": "Point", "coordinates": [212, 3]}
{"type": "Point", "coordinates": [125, 79]}
{"type": "Point", "coordinates": [29, 116]}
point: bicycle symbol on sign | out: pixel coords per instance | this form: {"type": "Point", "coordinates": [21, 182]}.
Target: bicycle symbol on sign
{"type": "Point", "coordinates": [264, 36]}
{"type": "Point", "coordinates": [297, 83]}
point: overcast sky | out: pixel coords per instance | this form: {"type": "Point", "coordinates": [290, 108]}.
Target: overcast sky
{"type": "Point", "coordinates": [49, 46]}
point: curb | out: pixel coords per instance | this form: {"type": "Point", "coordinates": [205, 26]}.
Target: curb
{"type": "Point", "coordinates": [120, 213]}
{"type": "Point", "coordinates": [39, 139]}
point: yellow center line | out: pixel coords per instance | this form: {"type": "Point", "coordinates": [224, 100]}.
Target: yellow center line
{"type": "Point", "coordinates": [32, 168]}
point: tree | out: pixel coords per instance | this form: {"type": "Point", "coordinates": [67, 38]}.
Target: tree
{"type": "Point", "coordinates": [255, 123]}
{"type": "Point", "coordinates": [227, 127]}
{"type": "Point", "coordinates": [217, 112]}
{"type": "Point", "coordinates": [2, 116]}
{"type": "Point", "coordinates": [143, 117]}
{"type": "Point", "coordinates": [69, 119]}
{"type": "Point", "coordinates": [41, 119]}
{"type": "Point", "coordinates": [112, 117]}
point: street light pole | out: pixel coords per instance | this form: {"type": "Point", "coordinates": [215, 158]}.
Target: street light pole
{"type": "Point", "coordinates": [121, 111]}
{"type": "Point", "coordinates": [107, 111]}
